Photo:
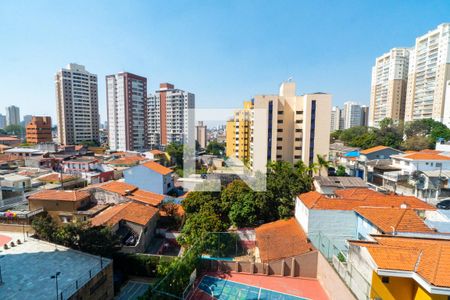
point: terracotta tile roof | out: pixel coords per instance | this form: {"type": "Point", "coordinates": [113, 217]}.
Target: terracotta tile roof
{"type": "Point", "coordinates": [281, 239]}
{"type": "Point", "coordinates": [398, 219]}
{"type": "Point", "coordinates": [349, 199]}
{"type": "Point", "coordinates": [430, 258]}
{"type": "Point", "coordinates": [127, 160]}
{"type": "Point", "coordinates": [157, 168]}
{"type": "Point", "coordinates": [373, 149]}
{"type": "Point", "coordinates": [119, 187]}
{"type": "Point", "coordinates": [59, 195]}
{"type": "Point", "coordinates": [147, 197]}
{"type": "Point", "coordinates": [56, 177]}
{"type": "Point", "coordinates": [131, 192]}
{"type": "Point", "coordinates": [131, 211]}
{"type": "Point", "coordinates": [425, 156]}
{"type": "Point", "coordinates": [431, 151]}
{"type": "Point", "coordinates": [156, 152]}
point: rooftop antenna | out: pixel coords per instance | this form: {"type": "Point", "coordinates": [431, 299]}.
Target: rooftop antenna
{"type": "Point", "coordinates": [290, 79]}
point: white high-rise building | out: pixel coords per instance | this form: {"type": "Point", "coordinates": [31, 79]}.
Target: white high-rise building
{"type": "Point", "coordinates": [77, 105]}
{"type": "Point", "coordinates": [352, 114]}
{"type": "Point", "coordinates": [429, 77]}
{"type": "Point", "coordinates": [388, 89]}
{"type": "Point", "coordinates": [335, 119]}
{"type": "Point", "coordinates": [12, 115]}
{"type": "Point", "coordinates": [126, 98]}
{"type": "Point", "coordinates": [168, 116]}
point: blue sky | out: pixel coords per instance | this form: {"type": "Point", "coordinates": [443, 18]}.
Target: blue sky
{"type": "Point", "coordinates": [223, 51]}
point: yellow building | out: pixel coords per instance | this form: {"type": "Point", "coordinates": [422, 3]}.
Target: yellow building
{"type": "Point", "coordinates": [238, 133]}
{"type": "Point", "coordinates": [396, 267]}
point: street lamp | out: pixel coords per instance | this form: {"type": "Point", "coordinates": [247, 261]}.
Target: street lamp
{"type": "Point", "coordinates": [56, 281]}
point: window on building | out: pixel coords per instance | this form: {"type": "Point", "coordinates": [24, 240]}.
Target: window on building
{"type": "Point", "coordinates": [280, 130]}
{"type": "Point", "coordinates": [385, 279]}
{"type": "Point", "coordinates": [279, 139]}
{"type": "Point", "coordinates": [298, 112]}
{"type": "Point", "coordinates": [280, 121]}
{"type": "Point", "coordinates": [279, 148]}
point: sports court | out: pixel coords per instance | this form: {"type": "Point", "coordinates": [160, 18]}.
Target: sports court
{"type": "Point", "coordinates": [132, 290]}
{"type": "Point", "coordinates": [223, 289]}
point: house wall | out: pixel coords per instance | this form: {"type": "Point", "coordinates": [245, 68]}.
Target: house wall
{"type": "Point", "coordinates": [65, 206]}
{"type": "Point", "coordinates": [145, 179]}
{"type": "Point", "coordinates": [381, 154]}
{"type": "Point", "coordinates": [337, 225]}
{"type": "Point", "coordinates": [330, 280]}
{"type": "Point", "coordinates": [364, 229]}
{"type": "Point", "coordinates": [99, 287]}
{"type": "Point", "coordinates": [302, 214]}
{"type": "Point", "coordinates": [397, 288]}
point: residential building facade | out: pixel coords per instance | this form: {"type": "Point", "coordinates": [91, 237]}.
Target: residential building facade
{"type": "Point", "coordinates": [388, 88]}
{"type": "Point", "coordinates": [169, 118]}
{"type": "Point", "coordinates": [39, 130]}
{"type": "Point", "coordinates": [77, 105]}
{"type": "Point", "coordinates": [335, 119]}
{"type": "Point", "coordinates": [429, 76]}
{"type": "Point", "coordinates": [352, 114]}
{"type": "Point", "coordinates": [289, 127]}
{"type": "Point", "coordinates": [238, 133]}
{"type": "Point", "coordinates": [126, 98]}
{"type": "Point", "coordinates": [200, 135]}
{"type": "Point", "coordinates": [2, 121]}
{"type": "Point", "coordinates": [12, 115]}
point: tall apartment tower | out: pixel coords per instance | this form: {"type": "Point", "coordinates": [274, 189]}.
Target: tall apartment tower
{"type": "Point", "coordinates": [364, 115]}
{"type": "Point", "coordinates": [200, 134]}
{"type": "Point", "coordinates": [126, 99]}
{"type": "Point", "coordinates": [388, 88]}
{"type": "Point", "coordinates": [39, 130]}
{"type": "Point", "coordinates": [2, 121]}
{"type": "Point", "coordinates": [289, 127]}
{"type": "Point", "coordinates": [352, 114]}
{"type": "Point", "coordinates": [77, 105]}
{"type": "Point", "coordinates": [12, 115]}
{"type": "Point", "coordinates": [169, 118]}
{"type": "Point", "coordinates": [429, 77]}
{"type": "Point", "coordinates": [335, 119]}
{"type": "Point", "coordinates": [238, 133]}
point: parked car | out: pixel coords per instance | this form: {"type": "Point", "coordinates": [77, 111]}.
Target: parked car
{"type": "Point", "coordinates": [444, 204]}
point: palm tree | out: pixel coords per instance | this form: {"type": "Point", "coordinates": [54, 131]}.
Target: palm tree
{"type": "Point", "coordinates": [322, 162]}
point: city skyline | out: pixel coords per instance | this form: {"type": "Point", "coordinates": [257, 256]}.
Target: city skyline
{"type": "Point", "coordinates": [229, 61]}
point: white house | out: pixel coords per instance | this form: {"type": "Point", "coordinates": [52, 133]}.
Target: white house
{"type": "Point", "coordinates": [426, 160]}
{"type": "Point", "coordinates": [150, 176]}
{"type": "Point", "coordinates": [330, 220]}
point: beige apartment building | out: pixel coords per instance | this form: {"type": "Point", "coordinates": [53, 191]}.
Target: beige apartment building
{"type": "Point", "coordinates": [429, 77]}
{"type": "Point", "coordinates": [289, 127]}
{"type": "Point", "coordinates": [388, 88]}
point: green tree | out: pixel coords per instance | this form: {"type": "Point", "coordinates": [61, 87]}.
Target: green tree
{"type": "Point", "coordinates": [175, 151]}
{"type": "Point", "coordinates": [44, 227]}
{"type": "Point", "coordinates": [341, 171]}
{"type": "Point", "coordinates": [90, 143]}
{"type": "Point", "coordinates": [322, 163]}
{"type": "Point", "coordinates": [244, 212]}
{"type": "Point", "coordinates": [416, 143]}
{"type": "Point", "coordinates": [215, 148]}
{"type": "Point", "coordinates": [15, 130]}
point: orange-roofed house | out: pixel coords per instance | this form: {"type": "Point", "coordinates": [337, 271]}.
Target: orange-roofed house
{"type": "Point", "coordinates": [425, 160]}
{"type": "Point", "coordinates": [114, 192]}
{"type": "Point", "coordinates": [150, 176]}
{"type": "Point", "coordinates": [126, 161]}
{"type": "Point", "coordinates": [333, 216]}
{"type": "Point", "coordinates": [377, 152]}
{"type": "Point", "coordinates": [388, 220]}
{"type": "Point", "coordinates": [64, 205]}
{"type": "Point", "coordinates": [134, 222]}
{"type": "Point", "coordinates": [281, 240]}
{"type": "Point", "coordinates": [396, 267]}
